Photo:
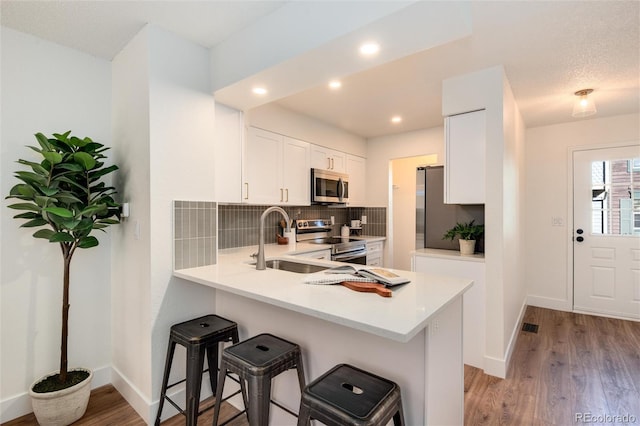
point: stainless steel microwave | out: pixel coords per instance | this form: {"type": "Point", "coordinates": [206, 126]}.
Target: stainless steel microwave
{"type": "Point", "coordinates": [329, 187]}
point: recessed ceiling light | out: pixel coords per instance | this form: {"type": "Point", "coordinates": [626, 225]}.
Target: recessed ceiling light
{"type": "Point", "coordinates": [335, 84]}
{"type": "Point", "coordinates": [259, 90]}
{"type": "Point", "coordinates": [369, 49]}
{"type": "Point", "coordinates": [396, 119]}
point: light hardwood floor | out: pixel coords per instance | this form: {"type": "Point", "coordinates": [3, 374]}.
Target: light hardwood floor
{"type": "Point", "coordinates": [575, 365]}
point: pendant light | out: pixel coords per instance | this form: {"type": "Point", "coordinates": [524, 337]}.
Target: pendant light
{"type": "Point", "coordinates": [583, 106]}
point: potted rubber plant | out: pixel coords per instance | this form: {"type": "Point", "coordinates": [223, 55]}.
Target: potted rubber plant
{"type": "Point", "coordinates": [63, 194]}
{"type": "Point", "coordinates": [468, 233]}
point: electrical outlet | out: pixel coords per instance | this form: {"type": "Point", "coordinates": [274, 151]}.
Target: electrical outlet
{"type": "Point", "coordinates": [557, 221]}
{"type": "Point", "coordinates": [363, 220]}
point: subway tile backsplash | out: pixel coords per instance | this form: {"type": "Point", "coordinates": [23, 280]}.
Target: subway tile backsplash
{"type": "Point", "coordinates": [238, 224]}
{"type": "Point", "coordinates": [195, 232]}
{"type": "Point", "coordinates": [200, 228]}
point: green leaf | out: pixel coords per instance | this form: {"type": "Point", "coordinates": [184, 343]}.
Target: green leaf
{"type": "Point", "coordinates": [85, 160]}
{"type": "Point", "coordinates": [44, 201]}
{"type": "Point", "coordinates": [67, 198]}
{"type": "Point", "coordinates": [70, 166]}
{"type": "Point", "coordinates": [108, 221]}
{"type": "Point", "coordinates": [31, 178]}
{"type": "Point", "coordinates": [34, 222]}
{"type": "Point", "coordinates": [43, 141]}
{"type": "Point", "coordinates": [27, 215]}
{"type": "Point", "coordinates": [52, 157]}
{"type": "Point", "coordinates": [70, 224]}
{"type": "Point", "coordinates": [101, 172]}
{"type": "Point", "coordinates": [62, 137]}
{"type": "Point", "coordinates": [24, 206]}
{"type": "Point", "coordinates": [78, 142]}
{"type": "Point", "coordinates": [61, 237]}
{"type": "Point", "coordinates": [49, 191]}
{"type": "Point", "coordinates": [23, 190]}
{"type": "Point", "coordinates": [59, 211]}
{"type": "Point", "coordinates": [44, 233]}
{"type": "Point", "coordinates": [87, 242]}
{"type": "Point", "coordinates": [91, 210]}
{"type": "Point", "coordinates": [36, 167]}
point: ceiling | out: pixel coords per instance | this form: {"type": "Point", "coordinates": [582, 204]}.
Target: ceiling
{"type": "Point", "coordinates": [548, 49]}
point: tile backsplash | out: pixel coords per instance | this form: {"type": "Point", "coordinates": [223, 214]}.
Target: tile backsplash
{"type": "Point", "coordinates": [200, 228]}
{"type": "Point", "coordinates": [238, 224]}
{"type": "Point", "coordinates": [194, 233]}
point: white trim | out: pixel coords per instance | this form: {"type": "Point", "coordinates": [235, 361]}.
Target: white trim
{"type": "Point", "coordinates": [131, 394]}
{"type": "Point", "coordinates": [20, 405]}
{"type": "Point", "coordinates": [550, 303]}
{"type": "Point", "coordinates": [499, 367]}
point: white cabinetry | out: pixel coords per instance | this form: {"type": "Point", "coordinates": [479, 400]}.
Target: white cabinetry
{"type": "Point", "coordinates": [227, 159]}
{"type": "Point", "coordinates": [465, 142]}
{"type": "Point", "coordinates": [327, 159]}
{"type": "Point", "coordinates": [473, 300]}
{"type": "Point", "coordinates": [324, 254]}
{"type": "Point", "coordinates": [275, 169]}
{"type": "Point", "coordinates": [356, 169]}
{"type": "Point", "coordinates": [375, 253]}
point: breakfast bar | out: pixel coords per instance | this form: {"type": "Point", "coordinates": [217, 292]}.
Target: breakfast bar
{"type": "Point", "coordinates": [413, 338]}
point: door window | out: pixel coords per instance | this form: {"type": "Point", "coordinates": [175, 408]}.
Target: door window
{"type": "Point", "coordinates": [615, 197]}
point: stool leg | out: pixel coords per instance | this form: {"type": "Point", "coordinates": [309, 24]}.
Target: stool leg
{"type": "Point", "coordinates": [300, 369]}
{"type": "Point", "coordinates": [195, 364]}
{"type": "Point", "coordinates": [259, 397]}
{"type": "Point", "coordinates": [304, 415]}
{"type": "Point", "coordinates": [221, 376]}
{"type": "Point", "coordinates": [165, 379]}
{"type": "Point", "coordinates": [212, 360]}
{"type": "Point", "coordinates": [398, 417]}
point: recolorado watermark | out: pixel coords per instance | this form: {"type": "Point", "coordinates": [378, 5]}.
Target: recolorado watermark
{"type": "Point", "coordinates": [605, 418]}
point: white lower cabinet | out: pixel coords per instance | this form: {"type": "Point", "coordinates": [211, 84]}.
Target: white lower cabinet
{"type": "Point", "coordinates": [320, 254]}
{"type": "Point", "coordinates": [375, 253]}
{"type": "Point", "coordinates": [473, 300]}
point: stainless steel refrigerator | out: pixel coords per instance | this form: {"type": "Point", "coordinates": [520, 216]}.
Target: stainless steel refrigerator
{"type": "Point", "coordinates": [433, 216]}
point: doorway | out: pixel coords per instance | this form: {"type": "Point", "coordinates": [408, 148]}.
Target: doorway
{"type": "Point", "coordinates": [402, 201]}
{"type": "Point", "coordinates": [606, 231]}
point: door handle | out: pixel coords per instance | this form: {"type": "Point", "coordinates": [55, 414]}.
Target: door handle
{"type": "Point", "coordinates": [580, 239]}
{"type": "Point", "coordinates": [579, 231]}
{"type": "Point", "coordinates": [246, 193]}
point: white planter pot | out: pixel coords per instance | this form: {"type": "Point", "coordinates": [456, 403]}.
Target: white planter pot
{"type": "Point", "coordinates": [467, 247]}
{"type": "Point", "coordinates": [63, 407]}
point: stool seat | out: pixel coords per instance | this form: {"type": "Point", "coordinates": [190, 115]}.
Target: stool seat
{"type": "Point", "coordinates": [258, 360]}
{"type": "Point", "coordinates": [200, 336]}
{"type": "Point", "coordinates": [347, 395]}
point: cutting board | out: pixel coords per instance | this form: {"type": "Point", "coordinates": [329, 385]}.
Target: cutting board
{"type": "Point", "coordinates": [368, 288]}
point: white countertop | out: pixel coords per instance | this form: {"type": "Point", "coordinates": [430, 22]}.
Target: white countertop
{"type": "Point", "coordinates": [398, 318]}
{"type": "Point", "coordinates": [449, 254]}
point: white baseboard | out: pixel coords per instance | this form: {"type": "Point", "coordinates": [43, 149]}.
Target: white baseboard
{"type": "Point", "coordinates": [499, 367]}
{"type": "Point", "coordinates": [549, 303]}
{"type": "Point", "coordinates": [131, 394]}
{"type": "Point", "coordinates": [20, 405]}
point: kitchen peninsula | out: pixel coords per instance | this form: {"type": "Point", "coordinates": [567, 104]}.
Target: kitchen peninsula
{"type": "Point", "coordinates": [413, 338]}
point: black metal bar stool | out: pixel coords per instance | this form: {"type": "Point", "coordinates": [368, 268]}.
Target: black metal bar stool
{"type": "Point", "coordinates": [346, 395]}
{"type": "Point", "coordinates": [199, 336]}
{"type": "Point", "coordinates": [258, 360]}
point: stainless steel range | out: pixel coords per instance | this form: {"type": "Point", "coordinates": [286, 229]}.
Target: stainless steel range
{"type": "Point", "coordinates": [343, 249]}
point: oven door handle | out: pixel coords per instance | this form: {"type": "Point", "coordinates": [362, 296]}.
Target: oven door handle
{"type": "Point", "coordinates": [349, 256]}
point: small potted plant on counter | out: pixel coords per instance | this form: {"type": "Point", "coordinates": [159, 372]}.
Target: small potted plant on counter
{"type": "Point", "coordinates": [63, 194]}
{"type": "Point", "coordinates": [467, 233]}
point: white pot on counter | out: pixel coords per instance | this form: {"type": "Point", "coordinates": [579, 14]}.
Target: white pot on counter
{"type": "Point", "coordinates": [344, 231]}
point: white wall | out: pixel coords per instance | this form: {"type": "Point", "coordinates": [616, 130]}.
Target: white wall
{"type": "Point", "coordinates": [164, 119]}
{"type": "Point", "coordinates": [383, 149]}
{"type": "Point", "coordinates": [130, 298]}
{"type": "Point", "coordinates": [48, 88]}
{"type": "Point", "coordinates": [547, 164]}
{"type": "Point", "coordinates": [505, 294]}
{"type": "Point", "coordinates": [277, 119]}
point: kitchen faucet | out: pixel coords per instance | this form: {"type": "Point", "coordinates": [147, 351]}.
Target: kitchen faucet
{"type": "Point", "coordinates": [260, 263]}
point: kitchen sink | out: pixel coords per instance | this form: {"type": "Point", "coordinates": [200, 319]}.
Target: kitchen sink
{"type": "Point", "coordinates": [298, 267]}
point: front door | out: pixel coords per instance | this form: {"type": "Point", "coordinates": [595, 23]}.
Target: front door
{"type": "Point", "coordinates": [606, 234]}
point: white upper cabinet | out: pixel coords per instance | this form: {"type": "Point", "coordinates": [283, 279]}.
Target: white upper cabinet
{"type": "Point", "coordinates": [296, 180]}
{"type": "Point", "coordinates": [465, 146]}
{"type": "Point", "coordinates": [275, 169]}
{"type": "Point", "coordinates": [328, 159]}
{"type": "Point", "coordinates": [356, 169]}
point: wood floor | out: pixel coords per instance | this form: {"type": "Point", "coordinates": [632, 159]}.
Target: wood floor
{"type": "Point", "coordinates": [575, 365]}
